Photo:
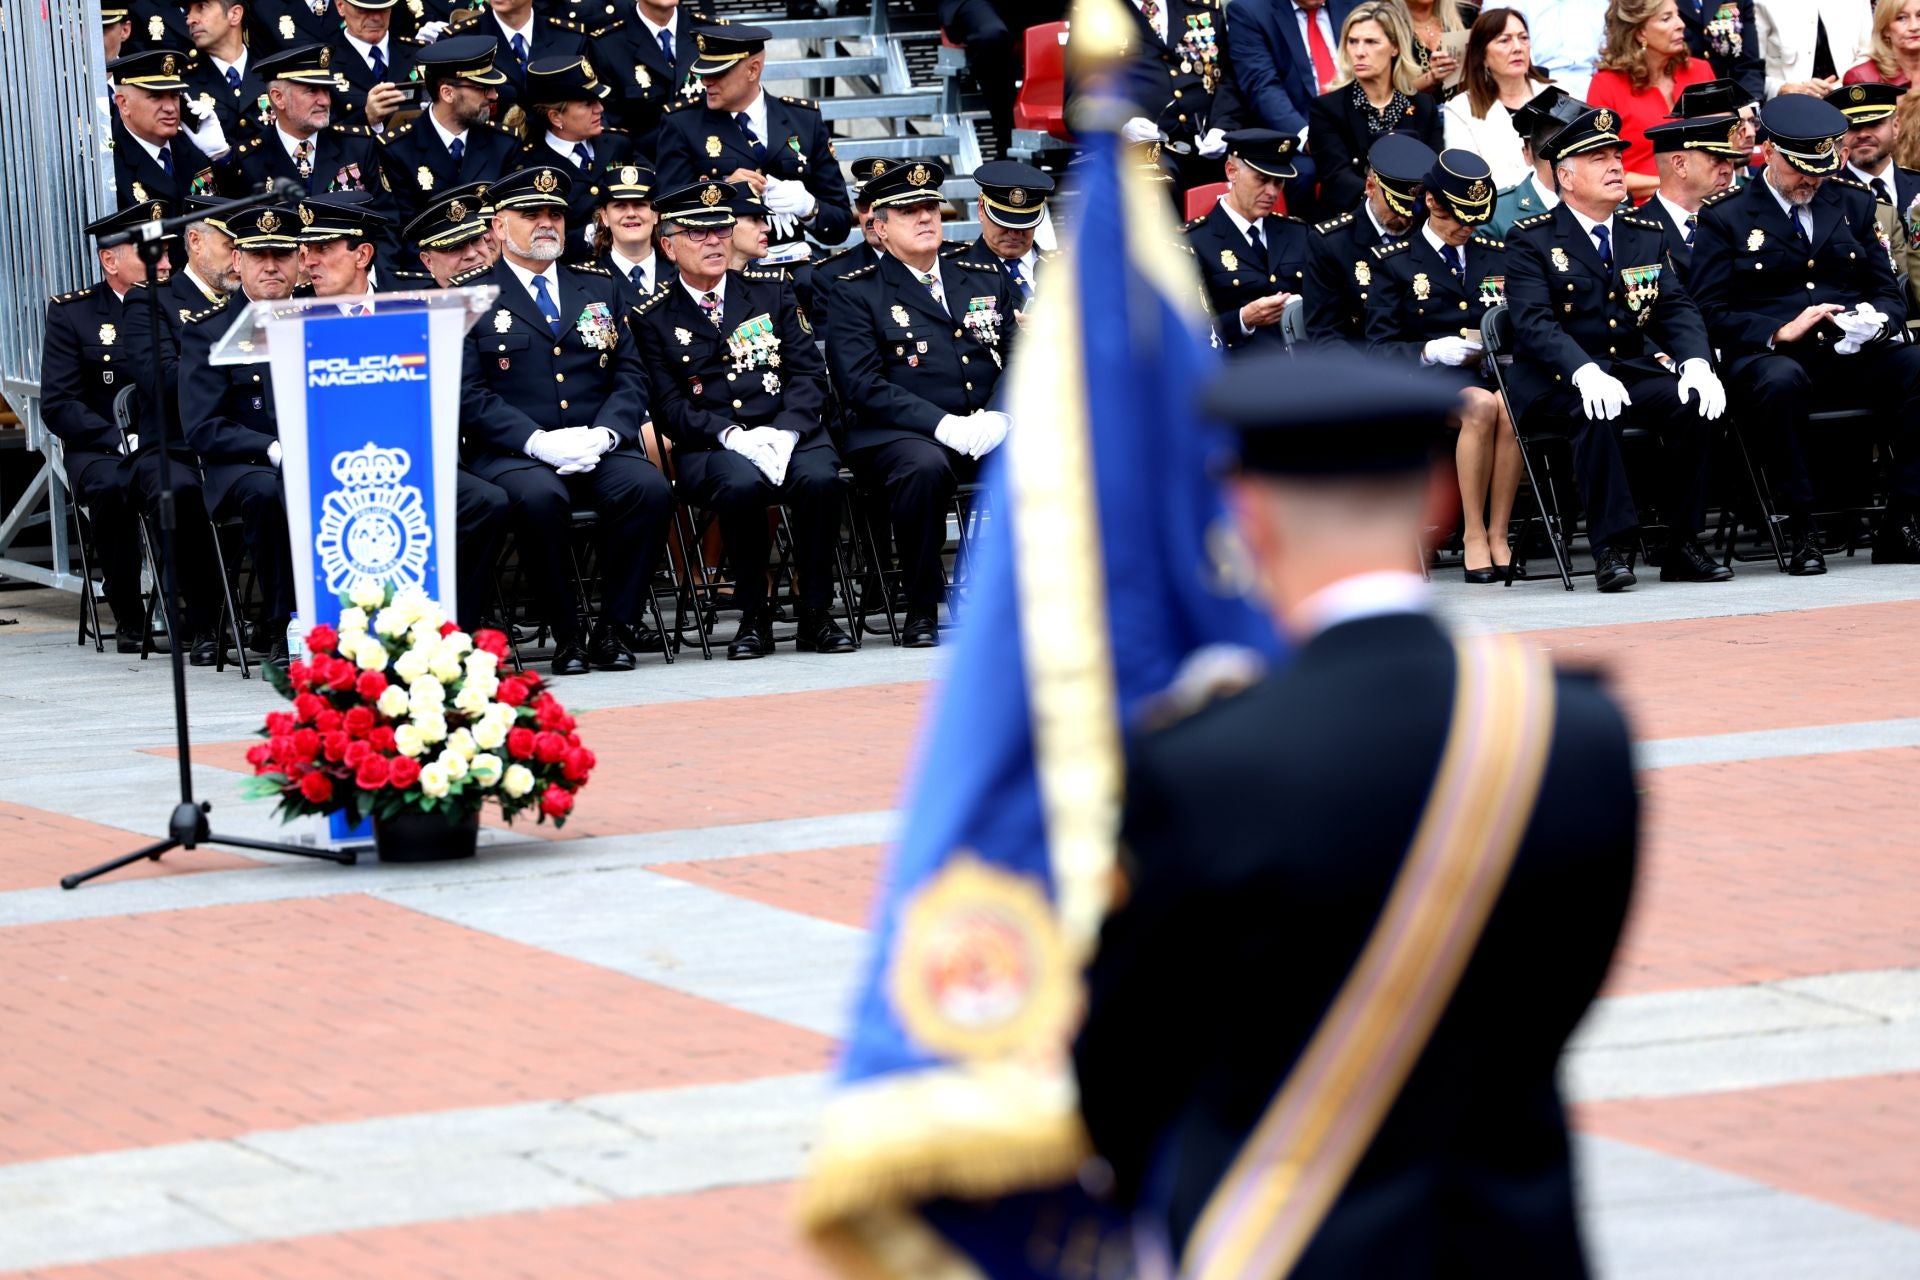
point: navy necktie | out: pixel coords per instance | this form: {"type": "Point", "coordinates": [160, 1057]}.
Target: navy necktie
{"type": "Point", "coordinates": [166, 160]}
{"type": "Point", "coordinates": [1693, 220]}
{"type": "Point", "coordinates": [1451, 256]}
{"type": "Point", "coordinates": [1258, 241]}
{"type": "Point", "coordinates": [1604, 242]}
{"type": "Point", "coordinates": [1019, 278]}
{"type": "Point", "coordinates": [639, 277]}
{"type": "Point", "coordinates": [544, 300]}
{"type": "Point", "coordinates": [745, 122]}
{"type": "Point", "coordinates": [666, 45]}
{"type": "Point", "coordinates": [1880, 192]}
{"type": "Point", "coordinates": [233, 77]}
{"type": "Point", "coordinates": [520, 51]}
{"type": "Point", "coordinates": [456, 149]}
{"type": "Point", "coordinates": [584, 154]}
{"type": "Point", "coordinates": [378, 61]}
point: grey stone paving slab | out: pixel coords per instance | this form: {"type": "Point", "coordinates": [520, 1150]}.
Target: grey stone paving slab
{"type": "Point", "coordinates": [1670, 1017]}
{"type": "Point", "coordinates": [1765, 744]}
{"type": "Point", "coordinates": [1890, 993]}
{"type": "Point", "coordinates": [1722, 1063]}
{"type": "Point", "coordinates": [82, 1224]}
{"type": "Point", "coordinates": [341, 1149]}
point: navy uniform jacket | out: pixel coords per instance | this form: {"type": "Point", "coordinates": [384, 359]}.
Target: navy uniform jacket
{"type": "Point", "coordinates": [1156, 69]}
{"type": "Point", "coordinates": [611, 150]}
{"type": "Point", "coordinates": [243, 109]}
{"type": "Point", "coordinates": [1238, 929]}
{"type": "Point", "coordinates": [552, 38]}
{"type": "Point", "coordinates": [816, 292]}
{"type": "Point", "coordinates": [695, 143]}
{"type": "Point", "coordinates": [1415, 296]}
{"type": "Point", "coordinates": [159, 373]}
{"type": "Point", "coordinates": [902, 362]}
{"type": "Point", "coordinates": [1233, 276]}
{"type": "Point", "coordinates": [976, 251]}
{"type": "Point", "coordinates": [159, 24]}
{"type": "Point", "coordinates": [663, 272]}
{"type": "Point", "coordinates": [1338, 138]}
{"type": "Point", "coordinates": [283, 24]}
{"type": "Point", "coordinates": [345, 158]}
{"type": "Point", "coordinates": [693, 385]}
{"type": "Point", "coordinates": [84, 364]}
{"type": "Point", "coordinates": [1751, 274]}
{"type": "Point", "coordinates": [418, 167]}
{"type": "Point", "coordinates": [350, 103]}
{"type": "Point", "coordinates": [1724, 35]}
{"type": "Point", "coordinates": [1567, 311]}
{"type": "Point", "coordinates": [641, 76]}
{"type": "Point", "coordinates": [226, 411]}
{"type": "Point", "coordinates": [1340, 278]}
{"type": "Point", "coordinates": [1673, 237]}
{"type": "Point", "coordinates": [518, 376]}
{"type": "Point", "coordinates": [138, 177]}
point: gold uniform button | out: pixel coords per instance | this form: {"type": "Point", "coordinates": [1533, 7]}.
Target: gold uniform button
{"type": "Point", "coordinates": [1611, 295]}
{"type": "Point", "coordinates": [1810, 260]}
{"type": "Point", "coordinates": [1609, 350]}
{"type": "Point", "coordinates": [563, 404]}
{"type": "Point", "coordinates": [1613, 324]}
{"type": "Point", "coordinates": [736, 404]}
{"type": "Point", "coordinates": [956, 333]}
{"type": "Point", "coordinates": [559, 377]}
{"type": "Point", "coordinates": [106, 359]}
{"type": "Point", "coordinates": [1809, 284]}
{"type": "Point", "coordinates": [1568, 308]}
{"type": "Point", "coordinates": [965, 360]}
{"type": "Point", "coordinates": [1273, 279]}
{"type": "Point", "coordinates": [1463, 306]}
{"type": "Point", "coordinates": [729, 377]}
{"type": "Point", "coordinates": [556, 351]}
{"type": "Point", "coordinates": [969, 386]}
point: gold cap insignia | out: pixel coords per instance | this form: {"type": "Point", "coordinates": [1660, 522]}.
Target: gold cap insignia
{"type": "Point", "coordinates": [306, 215]}
{"type": "Point", "coordinates": [269, 223]}
{"type": "Point", "coordinates": [326, 57]}
{"type": "Point", "coordinates": [1477, 190]}
{"type": "Point", "coordinates": [1733, 135]}
{"type": "Point", "coordinates": [1859, 94]}
{"type": "Point", "coordinates": [629, 176]}
{"type": "Point", "coordinates": [1017, 197]}
{"type": "Point", "coordinates": [700, 43]}
{"type": "Point", "coordinates": [168, 65]}
{"type": "Point", "coordinates": [1825, 148]}
{"type": "Point", "coordinates": [918, 175]}
{"type": "Point", "coordinates": [544, 181]}
{"type": "Point", "coordinates": [877, 168]}
{"type": "Point", "coordinates": [1604, 122]}
{"type": "Point", "coordinates": [159, 211]}
{"type": "Point", "coordinates": [457, 211]}
{"type": "Point", "coordinates": [710, 194]}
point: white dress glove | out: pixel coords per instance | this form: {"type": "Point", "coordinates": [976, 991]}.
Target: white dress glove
{"type": "Point", "coordinates": [956, 433]}
{"type": "Point", "coordinates": [782, 225]}
{"type": "Point", "coordinates": [1141, 129]}
{"type": "Point", "coordinates": [561, 450]}
{"type": "Point", "coordinates": [1861, 325]}
{"type": "Point", "coordinates": [1451, 350]}
{"type": "Point", "coordinates": [780, 446]}
{"type": "Point", "coordinates": [1212, 144]}
{"type": "Point", "coordinates": [1696, 375]}
{"type": "Point", "coordinates": [431, 31]}
{"type": "Point", "coordinates": [788, 196]}
{"type": "Point", "coordinates": [208, 136]}
{"type": "Point", "coordinates": [273, 453]}
{"type": "Point", "coordinates": [756, 446]}
{"type": "Point", "coordinates": [1602, 395]}
{"type": "Point", "coordinates": [130, 443]}
{"type": "Point", "coordinates": [990, 431]}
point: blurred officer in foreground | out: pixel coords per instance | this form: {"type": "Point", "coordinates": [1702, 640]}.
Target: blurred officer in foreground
{"type": "Point", "coordinates": [738, 386]}
{"type": "Point", "coordinates": [1448, 1156]}
{"type": "Point", "coordinates": [552, 400]}
{"type": "Point", "coordinates": [1800, 299]}
{"type": "Point", "coordinates": [1592, 308]}
{"type": "Point", "coordinates": [1340, 274]}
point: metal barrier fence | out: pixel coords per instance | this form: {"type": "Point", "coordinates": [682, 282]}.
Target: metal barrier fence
{"type": "Point", "coordinates": [55, 160]}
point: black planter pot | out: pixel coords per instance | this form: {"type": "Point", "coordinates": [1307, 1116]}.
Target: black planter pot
{"type": "Point", "coordinates": [425, 837]}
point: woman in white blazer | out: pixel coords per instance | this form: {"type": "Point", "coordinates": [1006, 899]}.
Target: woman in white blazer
{"type": "Point", "coordinates": [1786, 31]}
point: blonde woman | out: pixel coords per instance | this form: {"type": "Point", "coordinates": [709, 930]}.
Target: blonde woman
{"type": "Point", "coordinates": [1376, 97]}
{"type": "Point", "coordinates": [1429, 21]}
{"type": "Point", "coordinates": [1645, 65]}
{"type": "Point", "coordinates": [1896, 46]}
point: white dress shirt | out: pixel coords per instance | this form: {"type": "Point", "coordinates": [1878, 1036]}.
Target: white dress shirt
{"type": "Point", "coordinates": [1588, 224]}
{"type": "Point", "coordinates": [238, 64]}
{"type": "Point", "coordinates": [292, 144]}
{"type": "Point", "coordinates": [1241, 224]}
{"type": "Point", "coordinates": [1566, 37]}
{"type": "Point", "coordinates": [624, 266]}
{"type": "Point", "coordinates": [1675, 212]}
{"type": "Point", "coordinates": [757, 116]}
{"type": "Point", "coordinates": [508, 33]}
{"type": "Point", "coordinates": [1301, 17]}
{"type": "Point", "coordinates": [447, 137]}
{"type": "Point", "coordinates": [1364, 595]}
{"type": "Point", "coordinates": [551, 276]}
{"type": "Point", "coordinates": [699, 295]}
{"type": "Point", "coordinates": [365, 50]}
{"type": "Point", "coordinates": [1440, 246]}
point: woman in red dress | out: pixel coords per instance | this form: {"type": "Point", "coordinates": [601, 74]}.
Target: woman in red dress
{"type": "Point", "coordinates": [1642, 70]}
{"type": "Point", "coordinates": [1896, 45]}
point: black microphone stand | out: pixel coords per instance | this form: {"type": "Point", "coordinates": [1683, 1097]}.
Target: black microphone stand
{"type": "Point", "coordinates": [187, 828]}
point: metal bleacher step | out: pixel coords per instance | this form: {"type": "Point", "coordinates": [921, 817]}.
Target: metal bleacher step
{"type": "Point", "coordinates": [960, 230]}
{"type": "Point", "coordinates": [882, 106]}
{"type": "Point", "coordinates": [853, 64]}
{"type": "Point", "coordinates": [810, 28]}
{"type": "Point", "coordinates": [919, 144]}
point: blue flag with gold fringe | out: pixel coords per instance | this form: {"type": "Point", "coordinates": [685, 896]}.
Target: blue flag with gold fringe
{"type": "Point", "coordinates": [953, 1140]}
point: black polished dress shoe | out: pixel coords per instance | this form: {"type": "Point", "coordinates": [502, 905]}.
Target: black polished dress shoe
{"type": "Point", "coordinates": [920, 632]}
{"type": "Point", "coordinates": [754, 639]}
{"type": "Point", "coordinates": [1481, 577]}
{"type": "Point", "coordinates": [126, 639]}
{"type": "Point", "coordinates": [205, 651]}
{"type": "Point", "coordinates": [607, 649]}
{"type": "Point", "coordinates": [1897, 541]}
{"type": "Point", "coordinates": [640, 638]}
{"type": "Point", "coordinates": [819, 633]}
{"type": "Point", "coordinates": [277, 653]}
{"type": "Point", "coordinates": [570, 658]}
{"type": "Point", "coordinates": [1689, 562]}
{"type": "Point", "coordinates": [1805, 560]}
{"type": "Point", "coordinates": [1610, 572]}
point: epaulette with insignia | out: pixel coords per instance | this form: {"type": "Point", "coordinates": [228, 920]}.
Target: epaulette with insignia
{"type": "Point", "coordinates": [808, 103]}
{"type": "Point", "coordinates": [1647, 224]}
{"type": "Point", "coordinates": [1504, 192]}
{"type": "Point", "coordinates": [1718, 196]}
{"type": "Point", "coordinates": [1191, 223]}
{"type": "Point", "coordinates": [400, 132]}
{"type": "Point", "coordinates": [954, 248]}
{"type": "Point", "coordinates": [1382, 252]}
{"type": "Point", "coordinates": [1207, 679]}
{"type": "Point", "coordinates": [651, 301]}
{"type": "Point", "coordinates": [137, 284]}
{"type": "Point", "coordinates": [1189, 248]}
{"type": "Point", "coordinates": [765, 273]}
{"type": "Point", "coordinates": [1533, 220]}
{"type": "Point", "coordinates": [1333, 224]}
{"type": "Point", "coordinates": [59, 299]}
{"type": "Point", "coordinates": [565, 25]}
{"type": "Point", "coordinates": [591, 268]}
{"type": "Point", "coordinates": [1488, 241]}
{"type": "Point", "coordinates": [353, 130]}
{"type": "Point", "coordinates": [411, 275]}
{"type": "Point", "coordinates": [213, 310]}
{"type": "Point", "coordinates": [615, 25]}
{"type": "Point", "coordinates": [859, 273]}
{"type": "Point", "coordinates": [465, 276]}
{"type": "Point", "coordinates": [1287, 217]}
{"type": "Point", "coordinates": [970, 265]}
{"type": "Point", "coordinates": [1845, 181]}
{"type": "Point", "coordinates": [249, 145]}
{"type": "Point", "coordinates": [677, 103]}
{"type": "Point", "coordinates": [413, 42]}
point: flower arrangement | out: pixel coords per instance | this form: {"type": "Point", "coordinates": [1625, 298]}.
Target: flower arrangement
{"type": "Point", "coordinates": [398, 711]}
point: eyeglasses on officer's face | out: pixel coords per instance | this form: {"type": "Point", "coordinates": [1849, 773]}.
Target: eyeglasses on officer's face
{"type": "Point", "coordinates": [700, 235]}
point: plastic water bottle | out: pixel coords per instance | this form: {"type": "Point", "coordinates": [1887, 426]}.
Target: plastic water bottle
{"type": "Point", "coordinates": [296, 638]}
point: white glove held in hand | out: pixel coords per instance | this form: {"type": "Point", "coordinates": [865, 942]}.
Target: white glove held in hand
{"type": "Point", "coordinates": [780, 446]}
{"type": "Point", "coordinates": [1602, 395]}
{"type": "Point", "coordinates": [955, 433]}
{"type": "Point", "coordinates": [1861, 326]}
{"type": "Point", "coordinates": [1212, 144]}
{"type": "Point", "coordinates": [990, 431]}
{"type": "Point", "coordinates": [431, 31]}
{"type": "Point", "coordinates": [1451, 350]}
{"type": "Point", "coordinates": [1696, 375]}
{"type": "Point", "coordinates": [208, 136]}
{"type": "Point", "coordinates": [756, 445]}
{"type": "Point", "coordinates": [788, 196]}
{"type": "Point", "coordinates": [1141, 129]}
{"type": "Point", "coordinates": [273, 453]}
{"type": "Point", "coordinates": [561, 449]}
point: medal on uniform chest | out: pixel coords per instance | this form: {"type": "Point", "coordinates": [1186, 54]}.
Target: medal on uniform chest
{"type": "Point", "coordinates": [1755, 238]}
{"type": "Point", "coordinates": [108, 334]}
{"type": "Point", "coordinates": [982, 320]}
{"type": "Point", "coordinates": [695, 386]}
{"type": "Point", "coordinates": [1560, 259]}
{"type": "Point", "coordinates": [595, 324]}
{"type": "Point", "coordinates": [156, 28]}
{"type": "Point", "coordinates": [1422, 288]}
{"type": "Point", "coordinates": [641, 76]}
{"type": "Point", "coordinates": [683, 336]}
{"type": "Point", "coordinates": [752, 343]}
{"type": "Point", "coordinates": [1493, 291]}
{"type": "Point", "coordinates": [1362, 274]}
{"type": "Point", "coordinates": [1643, 285]}
{"type": "Point", "coordinates": [772, 383]}
{"type": "Point", "coordinates": [417, 9]}
{"type": "Point", "coordinates": [286, 26]}
{"type": "Point", "coordinates": [899, 314]}
{"type": "Point", "coordinates": [424, 176]}
{"type": "Point", "coordinates": [1229, 259]}
{"type": "Point", "coordinates": [713, 144]}
{"type": "Point", "coordinates": [502, 320]}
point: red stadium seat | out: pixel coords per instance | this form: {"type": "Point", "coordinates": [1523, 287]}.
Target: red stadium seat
{"type": "Point", "coordinates": [1041, 104]}
{"type": "Point", "coordinates": [1201, 198]}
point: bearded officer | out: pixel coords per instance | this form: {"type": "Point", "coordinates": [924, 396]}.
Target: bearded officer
{"type": "Point", "coordinates": [738, 386]}
{"type": "Point", "coordinates": [453, 142]}
{"type": "Point", "coordinates": [1252, 260]}
{"type": "Point", "coordinates": [917, 344]}
{"type": "Point", "coordinates": [1457, 1159]}
{"type": "Point", "coordinates": [1340, 269]}
{"type": "Point", "coordinates": [1804, 307]}
{"type": "Point", "coordinates": [1592, 307]}
{"type": "Point", "coordinates": [552, 402]}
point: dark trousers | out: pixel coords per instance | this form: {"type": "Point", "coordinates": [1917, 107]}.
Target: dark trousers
{"type": "Point", "coordinates": [481, 526]}
{"type": "Point", "coordinates": [994, 56]}
{"type": "Point", "coordinates": [1686, 438]}
{"type": "Point", "coordinates": [116, 490]}
{"type": "Point", "coordinates": [738, 495]}
{"type": "Point", "coordinates": [255, 496]}
{"type": "Point", "coordinates": [633, 503]}
{"type": "Point", "coordinates": [919, 476]}
{"type": "Point", "coordinates": [1776, 391]}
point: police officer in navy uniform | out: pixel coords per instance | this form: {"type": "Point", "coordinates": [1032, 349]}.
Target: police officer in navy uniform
{"type": "Point", "coordinates": [650, 62]}
{"type": "Point", "coordinates": [450, 235]}
{"type": "Point", "coordinates": [1340, 270]}
{"type": "Point", "coordinates": [814, 293]}
{"type": "Point", "coordinates": [779, 146]}
{"type": "Point", "coordinates": [738, 385]}
{"type": "Point", "coordinates": [88, 357]}
{"type": "Point", "coordinates": [1872, 131]}
{"type": "Point", "coordinates": [552, 400]}
{"type": "Point", "coordinates": [1722, 32]}
{"type": "Point", "coordinates": [523, 36]}
{"type": "Point", "coordinates": [627, 221]}
{"type": "Point", "coordinates": [1011, 206]}
{"type": "Point", "coordinates": [1696, 159]}
{"type": "Point", "coordinates": [453, 141]}
{"type": "Point", "coordinates": [1179, 78]}
{"type": "Point", "coordinates": [1802, 303]}
{"type": "Point", "coordinates": [227, 412]}
{"type": "Point", "coordinates": [157, 24]}
{"type": "Point", "coordinates": [154, 154]}
{"type": "Point", "coordinates": [224, 73]}
{"type": "Point", "coordinates": [1591, 307]}
{"type": "Point", "coordinates": [1537, 120]}
{"type": "Point", "coordinates": [303, 144]}
{"type": "Point", "coordinates": [1252, 260]}
{"type": "Point", "coordinates": [917, 343]}
{"type": "Point", "coordinates": [1469, 1172]}
{"type": "Point", "coordinates": [565, 128]}
{"type": "Point", "coordinates": [279, 25]}
{"type": "Point", "coordinates": [376, 62]}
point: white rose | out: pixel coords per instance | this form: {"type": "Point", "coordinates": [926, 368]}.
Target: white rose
{"type": "Point", "coordinates": [470, 701]}
{"type": "Point", "coordinates": [488, 734]}
{"type": "Point", "coordinates": [424, 636]}
{"type": "Point", "coordinates": [353, 621]}
{"type": "Point", "coordinates": [487, 685]}
{"type": "Point", "coordinates": [434, 779]}
{"type": "Point", "coordinates": [445, 665]}
{"type": "Point", "coordinates": [388, 622]}
{"type": "Point", "coordinates": [368, 652]}
{"type": "Point", "coordinates": [426, 695]}
{"type": "Point", "coordinates": [368, 594]}
{"type": "Point", "coordinates": [455, 764]}
{"type": "Point", "coordinates": [460, 642]}
{"type": "Point", "coordinates": [485, 768]}
{"type": "Point", "coordinates": [410, 666]}
{"type": "Point", "coordinates": [433, 727]}
{"type": "Point", "coordinates": [480, 662]}
{"type": "Point", "coordinates": [517, 781]}
{"type": "Point", "coordinates": [461, 742]}
{"type": "Point", "coordinates": [407, 740]}
{"type": "Point", "coordinates": [393, 702]}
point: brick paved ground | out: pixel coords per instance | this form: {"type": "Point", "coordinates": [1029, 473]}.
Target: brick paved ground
{"type": "Point", "coordinates": [600, 1055]}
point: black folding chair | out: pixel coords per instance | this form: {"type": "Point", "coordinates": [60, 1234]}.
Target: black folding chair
{"type": "Point", "coordinates": [1496, 332]}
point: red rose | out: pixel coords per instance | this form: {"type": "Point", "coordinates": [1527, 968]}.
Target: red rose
{"type": "Point", "coordinates": [372, 773]}
{"type": "Point", "coordinates": [341, 674]}
{"type": "Point", "coordinates": [335, 745]}
{"type": "Point", "coordinates": [556, 801]}
{"type": "Point", "coordinates": [258, 755]}
{"type": "Point", "coordinates": [306, 745]}
{"type": "Point", "coordinates": [381, 739]}
{"type": "Point", "coordinates": [372, 684]}
{"type": "Point", "coordinates": [307, 706]}
{"type": "Point", "coordinates": [282, 747]}
{"type": "Point", "coordinates": [279, 722]}
{"type": "Point", "coordinates": [494, 642]}
{"type": "Point", "coordinates": [512, 691]}
{"type": "Point", "coordinates": [551, 714]}
{"type": "Point", "coordinates": [317, 788]}
{"type": "Point", "coordinates": [447, 629]}
{"type": "Point", "coordinates": [519, 743]}
{"type": "Point", "coordinates": [403, 773]}
{"type": "Point", "coordinates": [356, 753]}
{"type": "Point", "coordinates": [298, 673]}
{"type": "Point", "coordinates": [327, 721]}
{"type": "Point", "coordinates": [579, 763]}
{"type": "Point", "coordinates": [550, 748]}
{"type": "Point", "coordinates": [359, 721]}
{"type": "Point", "coordinates": [322, 639]}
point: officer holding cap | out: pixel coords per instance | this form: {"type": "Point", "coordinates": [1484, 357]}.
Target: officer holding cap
{"type": "Point", "coordinates": [1340, 268]}
{"type": "Point", "coordinates": [1252, 260]}
{"type": "Point", "coordinates": [1592, 305]}
{"type": "Point", "coordinates": [1429, 294]}
{"type": "Point", "coordinates": [455, 140]}
{"type": "Point", "coordinates": [1803, 305]}
{"type": "Point", "coordinates": [552, 401]}
{"type": "Point", "coordinates": [1695, 159]}
{"type": "Point", "coordinates": [1011, 207]}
